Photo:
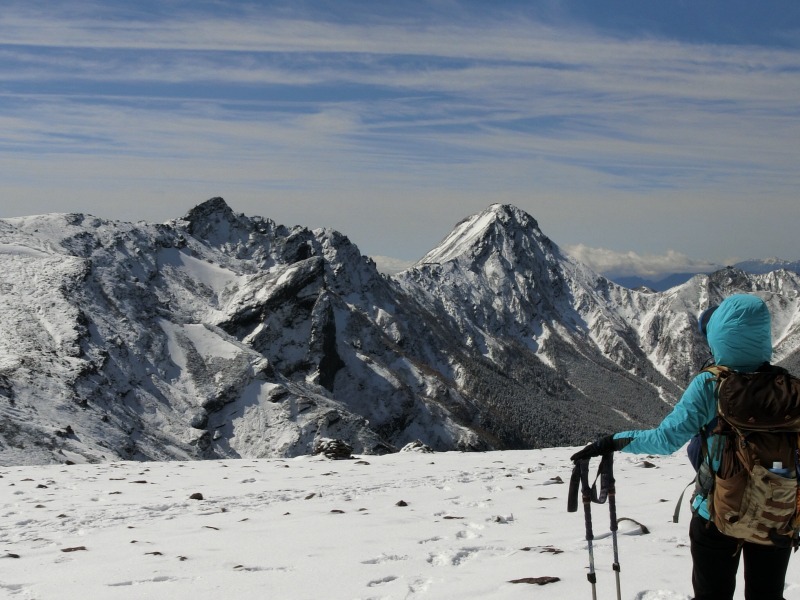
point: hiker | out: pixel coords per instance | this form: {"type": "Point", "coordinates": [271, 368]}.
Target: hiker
{"type": "Point", "coordinates": [738, 332]}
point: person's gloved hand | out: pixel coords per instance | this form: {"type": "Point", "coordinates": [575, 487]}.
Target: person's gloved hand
{"type": "Point", "coordinates": [603, 445]}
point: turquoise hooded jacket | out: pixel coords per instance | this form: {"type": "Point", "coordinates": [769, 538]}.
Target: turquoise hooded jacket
{"type": "Point", "coordinates": [739, 334]}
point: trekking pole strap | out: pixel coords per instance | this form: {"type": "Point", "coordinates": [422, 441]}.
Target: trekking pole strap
{"type": "Point", "coordinates": [574, 487]}
{"type": "Point", "coordinates": [580, 480]}
{"type": "Point", "coordinates": [587, 495]}
{"type": "Point", "coordinates": [606, 474]}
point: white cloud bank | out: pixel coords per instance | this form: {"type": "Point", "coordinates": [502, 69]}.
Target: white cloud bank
{"type": "Point", "coordinates": [391, 266]}
{"type": "Point", "coordinates": [650, 266]}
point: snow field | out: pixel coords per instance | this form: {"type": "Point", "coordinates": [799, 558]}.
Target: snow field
{"type": "Point", "coordinates": [407, 525]}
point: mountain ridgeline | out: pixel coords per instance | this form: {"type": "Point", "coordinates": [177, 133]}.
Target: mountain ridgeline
{"type": "Point", "coordinates": [221, 335]}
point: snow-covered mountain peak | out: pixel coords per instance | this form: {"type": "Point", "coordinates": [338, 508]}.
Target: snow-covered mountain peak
{"type": "Point", "coordinates": [214, 223]}
{"type": "Point", "coordinates": [472, 235]}
{"type": "Point", "coordinates": [502, 273]}
{"type": "Point", "coordinates": [213, 220]}
{"type": "Point", "coordinates": [216, 205]}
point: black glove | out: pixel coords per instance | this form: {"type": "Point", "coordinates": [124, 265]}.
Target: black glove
{"type": "Point", "coordinates": [604, 445]}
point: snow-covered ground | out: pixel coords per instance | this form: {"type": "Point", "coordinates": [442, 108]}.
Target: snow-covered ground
{"type": "Point", "coordinates": [406, 525]}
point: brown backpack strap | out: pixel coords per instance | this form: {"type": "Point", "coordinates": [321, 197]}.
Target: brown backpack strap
{"type": "Point", "coordinates": [719, 372]}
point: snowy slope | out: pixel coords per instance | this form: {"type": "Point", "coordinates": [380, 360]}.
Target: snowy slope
{"type": "Point", "coordinates": [219, 335]}
{"type": "Point", "coordinates": [308, 528]}
{"type": "Point", "coordinates": [214, 335]}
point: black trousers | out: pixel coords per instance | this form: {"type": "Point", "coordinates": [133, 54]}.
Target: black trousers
{"type": "Point", "coordinates": [715, 560]}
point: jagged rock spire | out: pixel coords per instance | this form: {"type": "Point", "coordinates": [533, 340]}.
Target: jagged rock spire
{"type": "Point", "coordinates": [210, 211]}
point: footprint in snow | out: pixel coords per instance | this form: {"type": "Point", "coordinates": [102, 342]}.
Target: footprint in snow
{"type": "Point", "coordinates": [158, 579]}
{"type": "Point", "coordinates": [377, 582]}
{"type": "Point", "coordinates": [467, 535]}
{"type": "Point", "coordinates": [429, 540]}
{"type": "Point", "coordinates": [453, 559]}
{"type": "Point", "coordinates": [661, 595]}
{"type": "Point", "coordinates": [384, 558]}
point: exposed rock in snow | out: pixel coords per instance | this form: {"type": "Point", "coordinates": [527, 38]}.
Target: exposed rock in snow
{"type": "Point", "coordinates": [336, 449]}
{"type": "Point", "coordinates": [416, 446]}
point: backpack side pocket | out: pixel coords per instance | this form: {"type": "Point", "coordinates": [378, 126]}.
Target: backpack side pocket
{"type": "Point", "coordinates": [726, 500]}
{"type": "Point", "coordinates": [766, 505]}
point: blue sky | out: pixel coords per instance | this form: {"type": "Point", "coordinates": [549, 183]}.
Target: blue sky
{"type": "Point", "coordinates": [643, 135]}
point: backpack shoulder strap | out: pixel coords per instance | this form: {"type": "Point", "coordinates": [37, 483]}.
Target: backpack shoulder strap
{"type": "Point", "coordinates": [719, 372]}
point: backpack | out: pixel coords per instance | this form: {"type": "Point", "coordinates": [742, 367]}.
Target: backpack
{"type": "Point", "coordinates": [758, 426]}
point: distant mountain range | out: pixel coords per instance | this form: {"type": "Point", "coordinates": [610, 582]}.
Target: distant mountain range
{"type": "Point", "coordinates": [768, 265]}
{"type": "Point", "coordinates": [223, 335]}
{"type": "Point", "coordinates": [755, 266]}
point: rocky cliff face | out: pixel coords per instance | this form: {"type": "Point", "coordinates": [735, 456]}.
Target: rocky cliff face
{"type": "Point", "coordinates": [221, 335]}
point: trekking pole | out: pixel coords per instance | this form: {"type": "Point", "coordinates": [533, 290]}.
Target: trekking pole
{"type": "Point", "coordinates": [609, 484]}
{"type": "Point", "coordinates": [580, 474]}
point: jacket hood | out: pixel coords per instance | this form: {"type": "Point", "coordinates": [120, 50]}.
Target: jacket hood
{"type": "Point", "coordinates": [740, 333]}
